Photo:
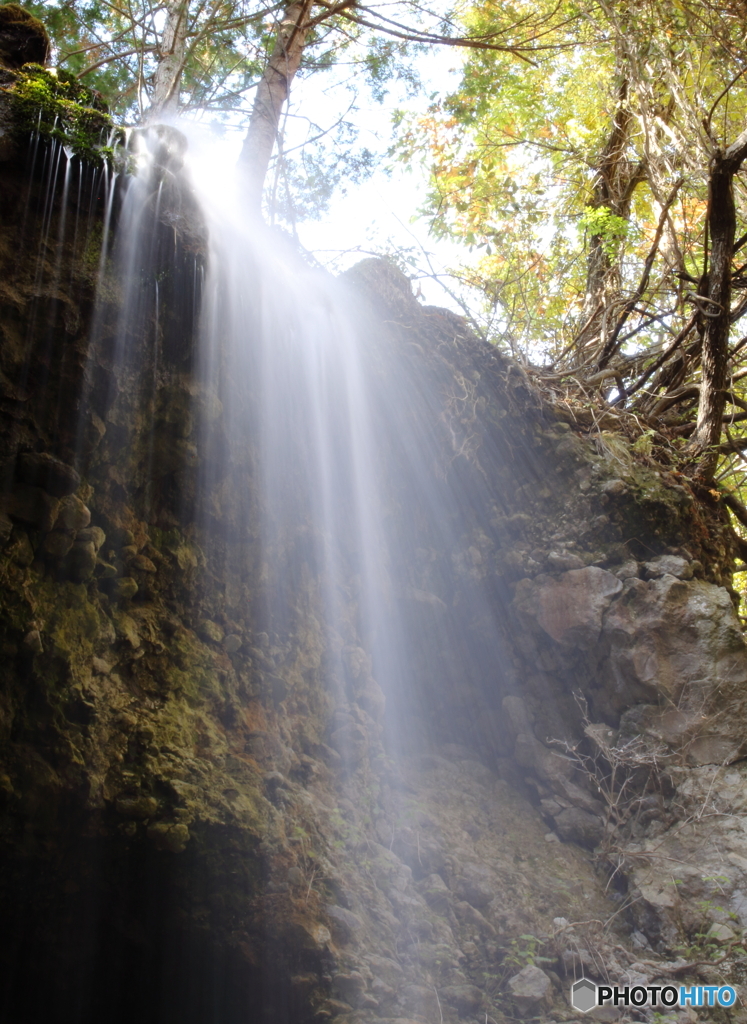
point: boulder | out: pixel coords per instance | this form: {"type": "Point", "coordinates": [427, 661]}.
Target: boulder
{"type": "Point", "coordinates": [569, 608]}
{"type": "Point", "coordinates": [73, 514]}
{"type": "Point", "coordinates": [578, 826]}
{"type": "Point", "coordinates": [530, 988]}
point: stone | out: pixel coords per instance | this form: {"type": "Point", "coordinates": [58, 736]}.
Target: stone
{"type": "Point", "coordinates": [466, 998]}
{"type": "Point", "coordinates": [42, 470]}
{"type": "Point", "coordinates": [423, 855]}
{"type": "Point", "coordinates": [94, 534]}
{"type": "Point", "coordinates": [136, 806]}
{"type": "Point", "coordinates": [436, 893]}
{"type": "Point", "coordinates": [171, 837]}
{"type": "Point", "coordinates": [385, 970]}
{"type": "Point", "coordinates": [6, 528]}
{"type": "Point", "coordinates": [530, 988]}
{"type": "Point", "coordinates": [21, 550]}
{"type": "Point", "coordinates": [721, 933]}
{"type": "Point", "coordinates": [80, 561]}
{"type": "Point", "coordinates": [677, 646]}
{"type": "Point", "coordinates": [73, 514]}
{"type": "Point", "coordinates": [58, 543]}
{"type": "Point", "coordinates": [142, 563]}
{"type": "Point", "coordinates": [124, 589]}
{"type": "Point", "coordinates": [475, 885]}
{"type": "Point", "coordinates": [421, 1000]}
{"type": "Point", "coordinates": [570, 608]}
{"type": "Point", "coordinates": [232, 643]}
{"type": "Point", "coordinates": [668, 565]}
{"type": "Point", "coordinates": [628, 570]}
{"type": "Point", "coordinates": [310, 935]}
{"type": "Point", "coordinates": [471, 916]}
{"type": "Point", "coordinates": [575, 825]}
{"type": "Point", "coordinates": [371, 697]}
{"type": "Point", "coordinates": [614, 488]}
{"type": "Point", "coordinates": [101, 666]}
{"type": "Point", "coordinates": [121, 537]}
{"type": "Point", "coordinates": [550, 765]}
{"type": "Point", "coordinates": [210, 631]}
{"type": "Point", "coordinates": [345, 924]}
{"type": "Point", "coordinates": [33, 641]}
{"type": "Point", "coordinates": [351, 742]}
{"type": "Point", "coordinates": [349, 986]}
{"type": "Point", "coordinates": [561, 561]}
{"type": "Point", "coordinates": [30, 505]}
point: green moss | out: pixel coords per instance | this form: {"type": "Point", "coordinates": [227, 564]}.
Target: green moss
{"type": "Point", "coordinates": [59, 107]}
{"type": "Point", "coordinates": [73, 622]}
{"type": "Point", "coordinates": [191, 671]}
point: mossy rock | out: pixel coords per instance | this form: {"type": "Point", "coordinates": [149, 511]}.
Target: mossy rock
{"type": "Point", "coordinates": [23, 38]}
{"type": "Point", "coordinates": [59, 107]}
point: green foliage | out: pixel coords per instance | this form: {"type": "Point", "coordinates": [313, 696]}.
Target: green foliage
{"type": "Point", "coordinates": [525, 951]}
{"type": "Point", "coordinates": [115, 48]}
{"type": "Point", "coordinates": [58, 107]}
{"type": "Point", "coordinates": [606, 225]}
{"type": "Point", "coordinates": [591, 135]}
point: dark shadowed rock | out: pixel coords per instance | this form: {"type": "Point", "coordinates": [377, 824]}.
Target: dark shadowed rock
{"type": "Point", "coordinates": [58, 543]}
{"type": "Point", "coordinates": [578, 826]}
{"type": "Point", "coordinates": [23, 39]}
{"type": "Point", "coordinates": [30, 505]}
{"type": "Point", "coordinates": [45, 471]}
{"type": "Point", "coordinates": [80, 561]}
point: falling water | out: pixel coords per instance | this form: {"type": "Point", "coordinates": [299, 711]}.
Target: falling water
{"type": "Point", "coordinates": [363, 499]}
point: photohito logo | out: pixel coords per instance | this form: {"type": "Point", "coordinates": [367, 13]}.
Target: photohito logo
{"type": "Point", "coordinates": [585, 995]}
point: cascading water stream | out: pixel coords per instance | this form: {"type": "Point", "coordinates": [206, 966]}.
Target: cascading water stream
{"type": "Point", "coordinates": [357, 523]}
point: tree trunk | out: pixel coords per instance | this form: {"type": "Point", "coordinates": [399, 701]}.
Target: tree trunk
{"type": "Point", "coordinates": [722, 225]}
{"type": "Point", "coordinates": [272, 93]}
{"type": "Point", "coordinates": [171, 63]}
{"type": "Point", "coordinates": [616, 180]}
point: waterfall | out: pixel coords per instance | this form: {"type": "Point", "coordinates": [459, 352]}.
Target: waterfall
{"type": "Point", "coordinates": [364, 499]}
